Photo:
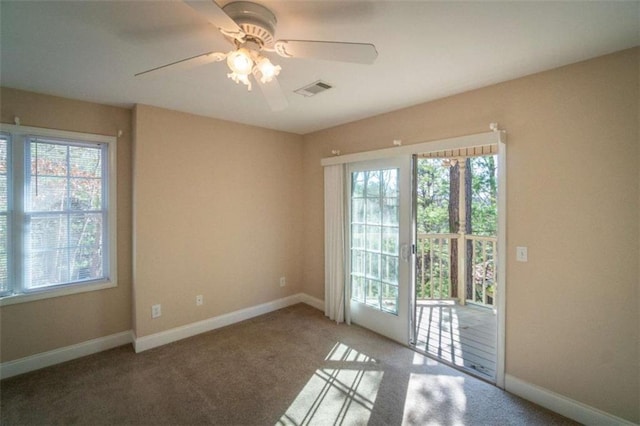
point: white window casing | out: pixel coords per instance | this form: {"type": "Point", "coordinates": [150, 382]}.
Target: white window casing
{"type": "Point", "coordinates": [61, 213]}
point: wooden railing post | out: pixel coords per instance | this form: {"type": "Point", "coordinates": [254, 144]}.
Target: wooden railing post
{"type": "Point", "coordinates": [462, 263]}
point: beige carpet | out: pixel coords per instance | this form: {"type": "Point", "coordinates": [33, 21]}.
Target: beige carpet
{"type": "Point", "coordinates": [290, 367]}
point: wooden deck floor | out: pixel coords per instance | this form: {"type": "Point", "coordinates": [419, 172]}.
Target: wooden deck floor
{"type": "Point", "coordinates": [464, 336]}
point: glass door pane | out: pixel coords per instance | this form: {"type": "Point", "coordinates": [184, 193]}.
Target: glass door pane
{"type": "Point", "coordinates": [374, 214]}
{"type": "Point", "coordinates": [378, 225]}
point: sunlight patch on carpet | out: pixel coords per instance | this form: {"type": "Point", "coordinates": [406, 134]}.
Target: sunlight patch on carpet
{"type": "Point", "coordinates": [344, 391]}
{"type": "Point", "coordinates": [342, 352]}
{"type": "Point", "coordinates": [419, 359]}
{"type": "Point", "coordinates": [335, 396]}
{"type": "Point", "coordinates": [432, 399]}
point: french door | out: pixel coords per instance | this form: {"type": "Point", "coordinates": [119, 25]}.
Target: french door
{"type": "Point", "coordinates": [379, 241]}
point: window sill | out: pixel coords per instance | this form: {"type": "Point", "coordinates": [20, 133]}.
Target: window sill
{"type": "Point", "coordinates": [56, 292]}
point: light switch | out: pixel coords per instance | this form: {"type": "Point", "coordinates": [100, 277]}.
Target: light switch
{"type": "Point", "coordinates": [521, 254]}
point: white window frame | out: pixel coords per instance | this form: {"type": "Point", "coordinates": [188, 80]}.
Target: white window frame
{"type": "Point", "coordinates": [18, 137]}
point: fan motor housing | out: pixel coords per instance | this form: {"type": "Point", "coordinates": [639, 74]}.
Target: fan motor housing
{"type": "Point", "coordinates": [255, 20]}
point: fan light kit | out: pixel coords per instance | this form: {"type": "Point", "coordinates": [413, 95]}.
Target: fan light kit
{"type": "Point", "coordinates": [250, 27]}
{"type": "Point", "coordinates": [243, 62]}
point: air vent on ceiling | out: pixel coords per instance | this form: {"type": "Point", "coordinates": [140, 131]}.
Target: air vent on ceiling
{"type": "Point", "coordinates": [313, 88]}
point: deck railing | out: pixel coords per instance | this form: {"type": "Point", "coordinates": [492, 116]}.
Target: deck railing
{"type": "Point", "coordinates": [433, 268]}
{"type": "Point", "coordinates": [483, 269]}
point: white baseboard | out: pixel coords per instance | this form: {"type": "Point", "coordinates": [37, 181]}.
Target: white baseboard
{"type": "Point", "coordinates": [162, 338]}
{"type": "Point", "coordinates": [56, 356]}
{"type": "Point", "coordinates": [312, 301]}
{"type": "Point", "coordinates": [568, 407]}
{"type": "Point", "coordinates": [560, 404]}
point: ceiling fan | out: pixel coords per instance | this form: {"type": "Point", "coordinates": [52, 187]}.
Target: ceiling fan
{"type": "Point", "coordinates": [250, 27]}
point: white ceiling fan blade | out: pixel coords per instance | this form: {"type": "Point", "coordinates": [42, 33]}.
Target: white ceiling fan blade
{"type": "Point", "coordinates": [183, 64]}
{"type": "Point", "coordinates": [360, 53]}
{"type": "Point", "coordinates": [217, 16]}
{"type": "Point", "coordinates": [273, 94]}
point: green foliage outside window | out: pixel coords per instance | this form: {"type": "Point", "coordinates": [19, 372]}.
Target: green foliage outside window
{"type": "Point", "coordinates": [437, 214]}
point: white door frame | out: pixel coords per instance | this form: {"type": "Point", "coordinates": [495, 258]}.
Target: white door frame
{"type": "Point", "coordinates": [394, 326]}
{"type": "Point", "coordinates": [502, 261]}
{"type": "Point", "coordinates": [498, 137]}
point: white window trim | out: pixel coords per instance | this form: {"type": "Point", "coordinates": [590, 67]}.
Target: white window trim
{"type": "Point", "coordinates": [18, 135]}
{"type": "Point", "coordinates": [479, 139]}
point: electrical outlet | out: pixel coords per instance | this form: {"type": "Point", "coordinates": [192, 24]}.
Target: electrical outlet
{"type": "Point", "coordinates": [283, 281]}
{"type": "Point", "coordinates": [199, 300]}
{"type": "Point", "coordinates": [156, 311]}
{"type": "Point", "coordinates": [521, 254]}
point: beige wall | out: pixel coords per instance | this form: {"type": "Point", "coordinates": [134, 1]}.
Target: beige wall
{"type": "Point", "coordinates": [217, 213]}
{"type": "Point", "coordinates": [573, 166]}
{"type": "Point", "coordinates": [224, 210]}
{"type": "Point", "coordinates": [39, 326]}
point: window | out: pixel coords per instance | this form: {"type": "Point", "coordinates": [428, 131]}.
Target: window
{"type": "Point", "coordinates": [57, 213]}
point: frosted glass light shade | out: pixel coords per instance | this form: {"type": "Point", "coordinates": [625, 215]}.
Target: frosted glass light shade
{"type": "Point", "coordinates": [267, 70]}
{"type": "Point", "coordinates": [240, 62]}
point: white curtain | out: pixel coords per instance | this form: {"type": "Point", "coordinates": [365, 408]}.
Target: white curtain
{"type": "Point", "coordinates": [334, 243]}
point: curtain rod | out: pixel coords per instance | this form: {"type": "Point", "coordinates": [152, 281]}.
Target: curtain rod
{"type": "Point", "coordinates": [493, 137]}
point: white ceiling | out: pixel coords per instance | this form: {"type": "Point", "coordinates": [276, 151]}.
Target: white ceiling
{"type": "Point", "coordinates": [90, 50]}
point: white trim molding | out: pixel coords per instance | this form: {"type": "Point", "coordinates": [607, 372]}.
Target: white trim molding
{"type": "Point", "coordinates": [67, 353]}
{"type": "Point", "coordinates": [172, 335]}
{"type": "Point", "coordinates": [560, 404]}
{"type": "Point", "coordinates": [501, 296]}
{"type": "Point", "coordinates": [478, 139]}
{"type": "Point", "coordinates": [21, 135]}
{"type": "Point", "coordinates": [494, 137]}
{"type": "Point", "coordinates": [312, 301]}
{"type": "Point", "coordinates": [90, 347]}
